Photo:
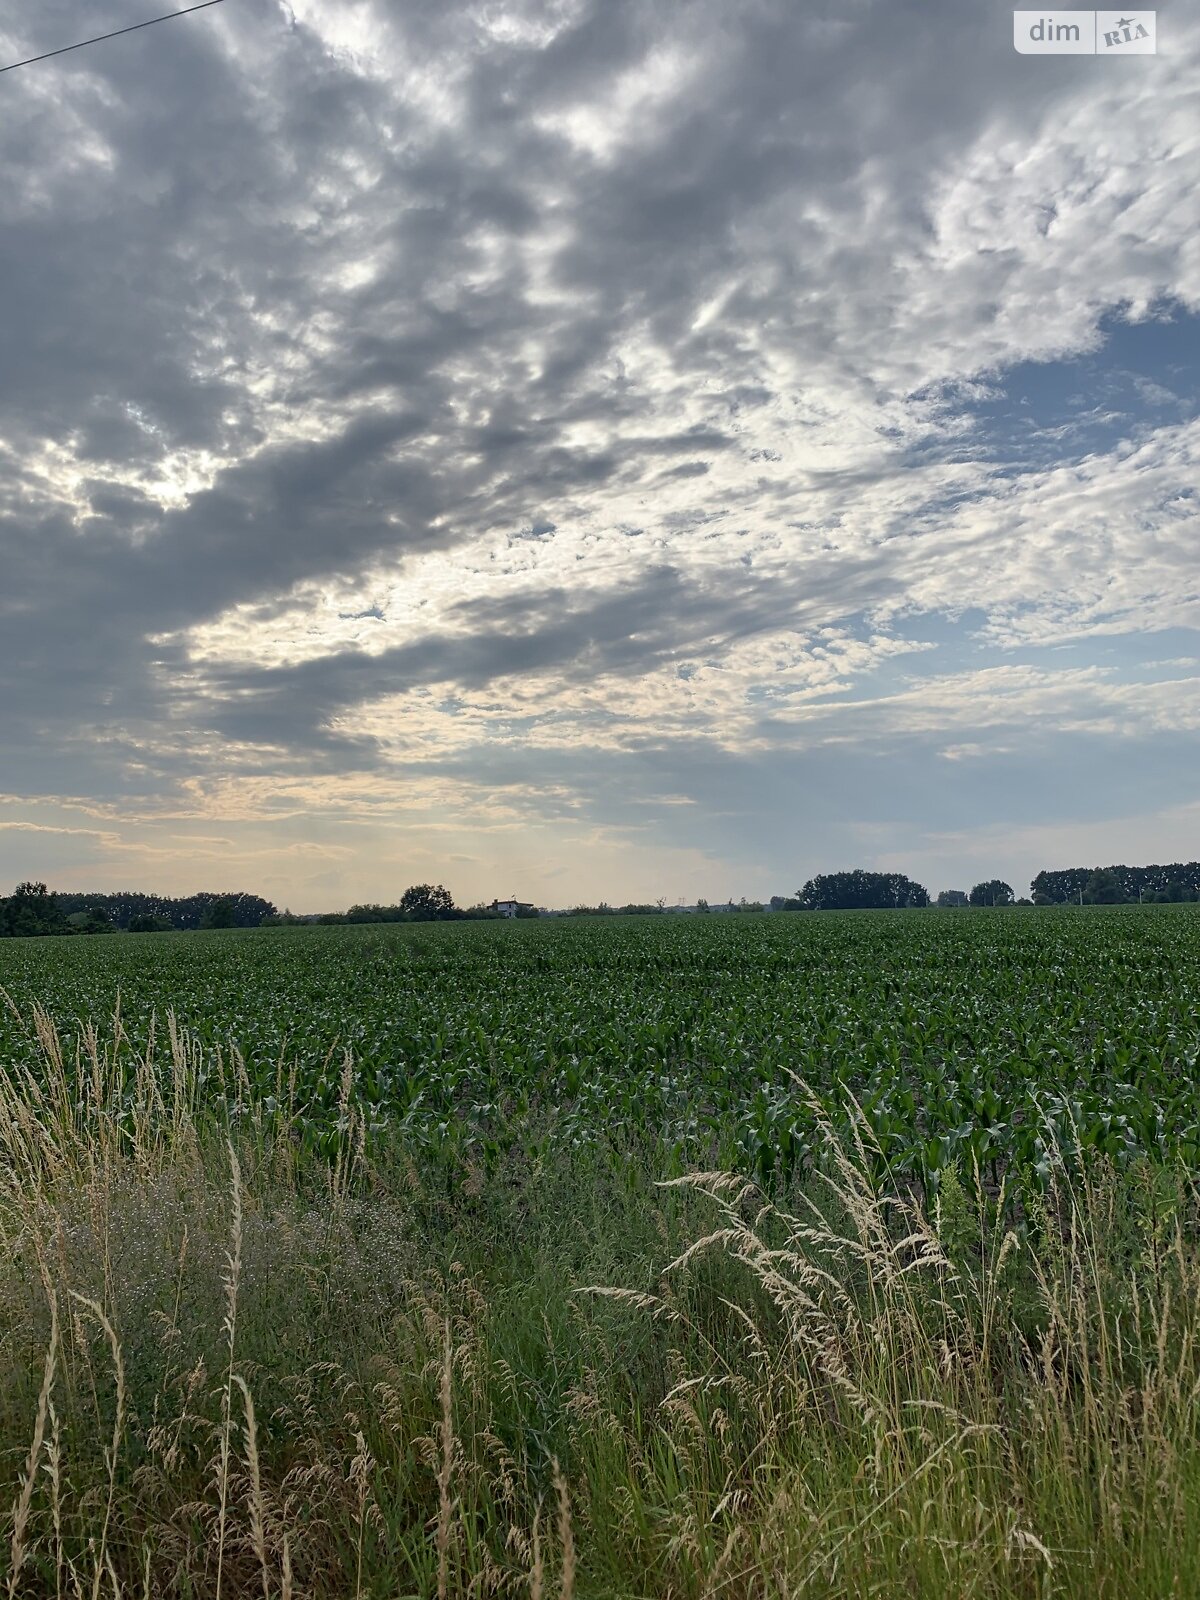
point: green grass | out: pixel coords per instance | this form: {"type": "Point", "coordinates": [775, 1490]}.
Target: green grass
{"type": "Point", "coordinates": [499, 1335]}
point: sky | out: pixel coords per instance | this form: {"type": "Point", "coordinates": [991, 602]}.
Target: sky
{"type": "Point", "coordinates": [593, 449]}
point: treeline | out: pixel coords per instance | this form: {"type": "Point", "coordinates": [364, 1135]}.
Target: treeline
{"type": "Point", "coordinates": [1121, 885]}
{"type": "Point", "coordinates": [34, 911]}
{"type": "Point", "coordinates": [126, 908]}
{"type": "Point", "coordinates": [421, 902]}
{"type": "Point", "coordinates": [633, 909]}
{"type": "Point", "coordinates": [1162, 884]}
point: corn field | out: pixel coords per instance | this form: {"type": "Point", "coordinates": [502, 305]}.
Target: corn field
{"type": "Point", "coordinates": [751, 1257]}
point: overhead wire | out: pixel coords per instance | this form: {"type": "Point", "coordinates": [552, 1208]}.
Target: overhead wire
{"type": "Point", "coordinates": [115, 34]}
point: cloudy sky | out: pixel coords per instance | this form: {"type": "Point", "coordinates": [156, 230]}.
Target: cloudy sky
{"type": "Point", "coordinates": [593, 448]}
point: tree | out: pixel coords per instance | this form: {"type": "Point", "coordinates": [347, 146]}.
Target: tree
{"type": "Point", "coordinates": [702, 905]}
{"type": "Point", "coordinates": [374, 913]}
{"type": "Point", "coordinates": [861, 891]}
{"type": "Point", "coordinates": [1103, 889]}
{"type": "Point", "coordinates": [248, 910]}
{"type": "Point", "coordinates": [953, 897]}
{"type": "Point", "coordinates": [219, 914]}
{"type": "Point", "coordinates": [31, 911]}
{"type": "Point", "coordinates": [995, 892]}
{"type": "Point", "coordinates": [89, 922]}
{"type": "Point", "coordinates": [427, 902]}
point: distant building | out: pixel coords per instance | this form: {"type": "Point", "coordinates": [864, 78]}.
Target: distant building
{"type": "Point", "coordinates": [513, 908]}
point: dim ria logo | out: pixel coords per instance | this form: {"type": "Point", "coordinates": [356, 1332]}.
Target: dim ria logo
{"type": "Point", "coordinates": [1084, 33]}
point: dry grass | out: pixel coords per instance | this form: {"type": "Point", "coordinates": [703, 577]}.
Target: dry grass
{"type": "Point", "coordinates": [229, 1371]}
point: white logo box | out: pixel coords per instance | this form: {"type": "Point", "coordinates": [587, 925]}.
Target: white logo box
{"type": "Point", "coordinates": [1085, 33]}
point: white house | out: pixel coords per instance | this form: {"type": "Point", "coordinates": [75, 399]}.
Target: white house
{"type": "Point", "coordinates": [510, 908]}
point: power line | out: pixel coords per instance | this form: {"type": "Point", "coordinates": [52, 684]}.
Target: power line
{"type": "Point", "coordinates": [115, 34]}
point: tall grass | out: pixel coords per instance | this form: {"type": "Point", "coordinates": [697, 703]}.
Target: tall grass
{"type": "Point", "coordinates": [231, 1370]}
